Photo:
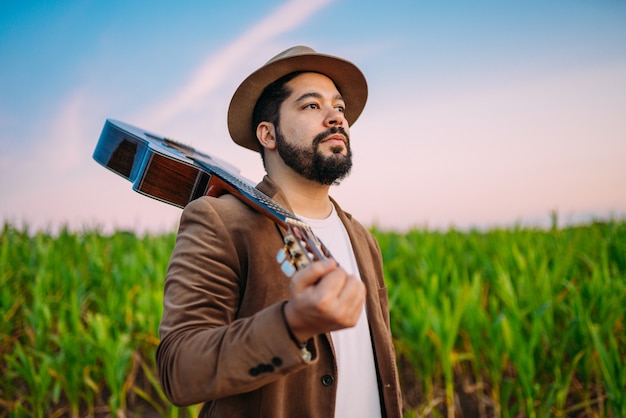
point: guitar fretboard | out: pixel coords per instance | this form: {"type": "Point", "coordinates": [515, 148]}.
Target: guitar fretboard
{"type": "Point", "coordinates": [250, 192]}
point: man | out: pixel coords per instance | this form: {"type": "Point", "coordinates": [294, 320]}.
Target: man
{"type": "Point", "coordinates": [236, 332]}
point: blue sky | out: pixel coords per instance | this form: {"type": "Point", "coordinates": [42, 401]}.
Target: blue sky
{"type": "Point", "coordinates": [482, 113]}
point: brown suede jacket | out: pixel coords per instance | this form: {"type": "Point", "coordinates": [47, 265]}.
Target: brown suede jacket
{"type": "Point", "coordinates": [224, 340]}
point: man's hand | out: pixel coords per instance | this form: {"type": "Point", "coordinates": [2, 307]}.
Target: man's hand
{"type": "Point", "coordinates": [324, 298]}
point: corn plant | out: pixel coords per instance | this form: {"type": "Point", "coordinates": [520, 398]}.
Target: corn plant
{"type": "Point", "coordinates": [541, 329]}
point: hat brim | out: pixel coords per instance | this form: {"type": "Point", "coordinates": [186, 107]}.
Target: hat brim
{"type": "Point", "coordinates": [349, 80]}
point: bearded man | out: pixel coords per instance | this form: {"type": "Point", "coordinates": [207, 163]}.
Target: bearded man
{"type": "Point", "coordinates": [237, 334]}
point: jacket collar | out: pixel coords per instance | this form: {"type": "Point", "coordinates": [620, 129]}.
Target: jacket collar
{"type": "Point", "coordinates": [269, 188]}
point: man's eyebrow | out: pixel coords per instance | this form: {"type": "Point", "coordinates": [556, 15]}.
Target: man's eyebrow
{"type": "Point", "coordinates": [316, 96]}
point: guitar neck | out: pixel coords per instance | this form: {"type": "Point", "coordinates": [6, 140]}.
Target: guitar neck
{"type": "Point", "coordinates": [249, 194]}
{"type": "Point", "coordinates": [299, 233]}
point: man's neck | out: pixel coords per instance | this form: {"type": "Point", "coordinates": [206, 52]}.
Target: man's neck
{"type": "Point", "coordinates": [306, 197]}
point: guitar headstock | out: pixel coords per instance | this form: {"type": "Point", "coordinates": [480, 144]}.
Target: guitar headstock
{"type": "Point", "coordinates": [301, 248]}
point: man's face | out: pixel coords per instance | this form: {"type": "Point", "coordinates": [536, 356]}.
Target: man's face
{"type": "Point", "coordinates": [313, 135]}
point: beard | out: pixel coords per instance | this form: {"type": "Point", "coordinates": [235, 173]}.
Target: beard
{"type": "Point", "coordinates": [311, 164]}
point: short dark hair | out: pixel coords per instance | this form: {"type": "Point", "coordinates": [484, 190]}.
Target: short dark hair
{"type": "Point", "coordinates": [267, 108]}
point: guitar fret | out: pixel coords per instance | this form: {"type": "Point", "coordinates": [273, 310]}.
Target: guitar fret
{"type": "Point", "coordinates": [250, 191]}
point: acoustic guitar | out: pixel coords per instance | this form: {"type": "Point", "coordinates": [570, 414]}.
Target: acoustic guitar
{"type": "Point", "coordinates": [174, 173]}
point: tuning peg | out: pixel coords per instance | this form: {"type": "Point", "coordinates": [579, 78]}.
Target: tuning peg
{"type": "Point", "coordinates": [281, 255]}
{"type": "Point", "coordinates": [286, 263]}
{"type": "Point", "coordinates": [294, 254]}
{"type": "Point", "coordinates": [287, 268]}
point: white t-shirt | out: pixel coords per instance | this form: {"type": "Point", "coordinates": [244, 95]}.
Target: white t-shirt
{"type": "Point", "coordinates": [357, 384]}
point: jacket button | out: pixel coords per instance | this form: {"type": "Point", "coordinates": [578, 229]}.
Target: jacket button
{"type": "Point", "coordinates": [327, 380]}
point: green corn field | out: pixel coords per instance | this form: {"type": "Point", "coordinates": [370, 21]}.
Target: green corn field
{"type": "Point", "coordinates": [517, 322]}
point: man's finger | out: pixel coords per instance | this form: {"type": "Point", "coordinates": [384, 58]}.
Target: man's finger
{"type": "Point", "coordinates": [310, 275]}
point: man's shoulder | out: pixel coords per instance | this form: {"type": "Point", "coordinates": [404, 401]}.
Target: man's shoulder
{"type": "Point", "coordinates": [228, 208]}
{"type": "Point", "coordinates": [225, 202]}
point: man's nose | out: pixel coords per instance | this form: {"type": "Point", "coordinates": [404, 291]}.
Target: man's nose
{"type": "Point", "coordinates": [335, 118]}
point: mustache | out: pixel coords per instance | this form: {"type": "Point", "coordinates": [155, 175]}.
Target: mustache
{"type": "Point", "coordinates": [331, 131]}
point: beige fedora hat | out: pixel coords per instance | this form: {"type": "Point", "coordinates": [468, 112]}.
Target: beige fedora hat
{"type": "Point", "coordinates": [347, 77]}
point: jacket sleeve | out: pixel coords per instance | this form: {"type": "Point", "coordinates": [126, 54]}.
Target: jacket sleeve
{"type": "Point", "coordinates": [206, 352]}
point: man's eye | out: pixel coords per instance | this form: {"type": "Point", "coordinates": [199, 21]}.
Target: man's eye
{"type": "Point", "coordinates": [340, 108]}
{"type": "Point", "coordinates": [311, 106]}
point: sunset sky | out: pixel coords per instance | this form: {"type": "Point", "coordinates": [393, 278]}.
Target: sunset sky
{"type": "Point", "coordinates": [480, 113]}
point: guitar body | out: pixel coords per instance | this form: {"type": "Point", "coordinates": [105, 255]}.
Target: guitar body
{"type": "Point", "coordinates": [158, 167]}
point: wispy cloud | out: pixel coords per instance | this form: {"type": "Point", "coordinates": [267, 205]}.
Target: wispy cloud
{"type": "Point", "coordinates": [69, 129]}
{"type": "Point", "coordinates": [59, 141]}
{"type": "Point", "coordinates": [220, 65]}
{"type": "Point", "coordinates": [49, 171]}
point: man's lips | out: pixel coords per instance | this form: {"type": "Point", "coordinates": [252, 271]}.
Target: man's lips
{"type": "Point", "coordinates": [336, 137]}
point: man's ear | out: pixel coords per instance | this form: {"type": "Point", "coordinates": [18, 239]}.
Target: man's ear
{"type": "Point", "coordinates": [266, 134]}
